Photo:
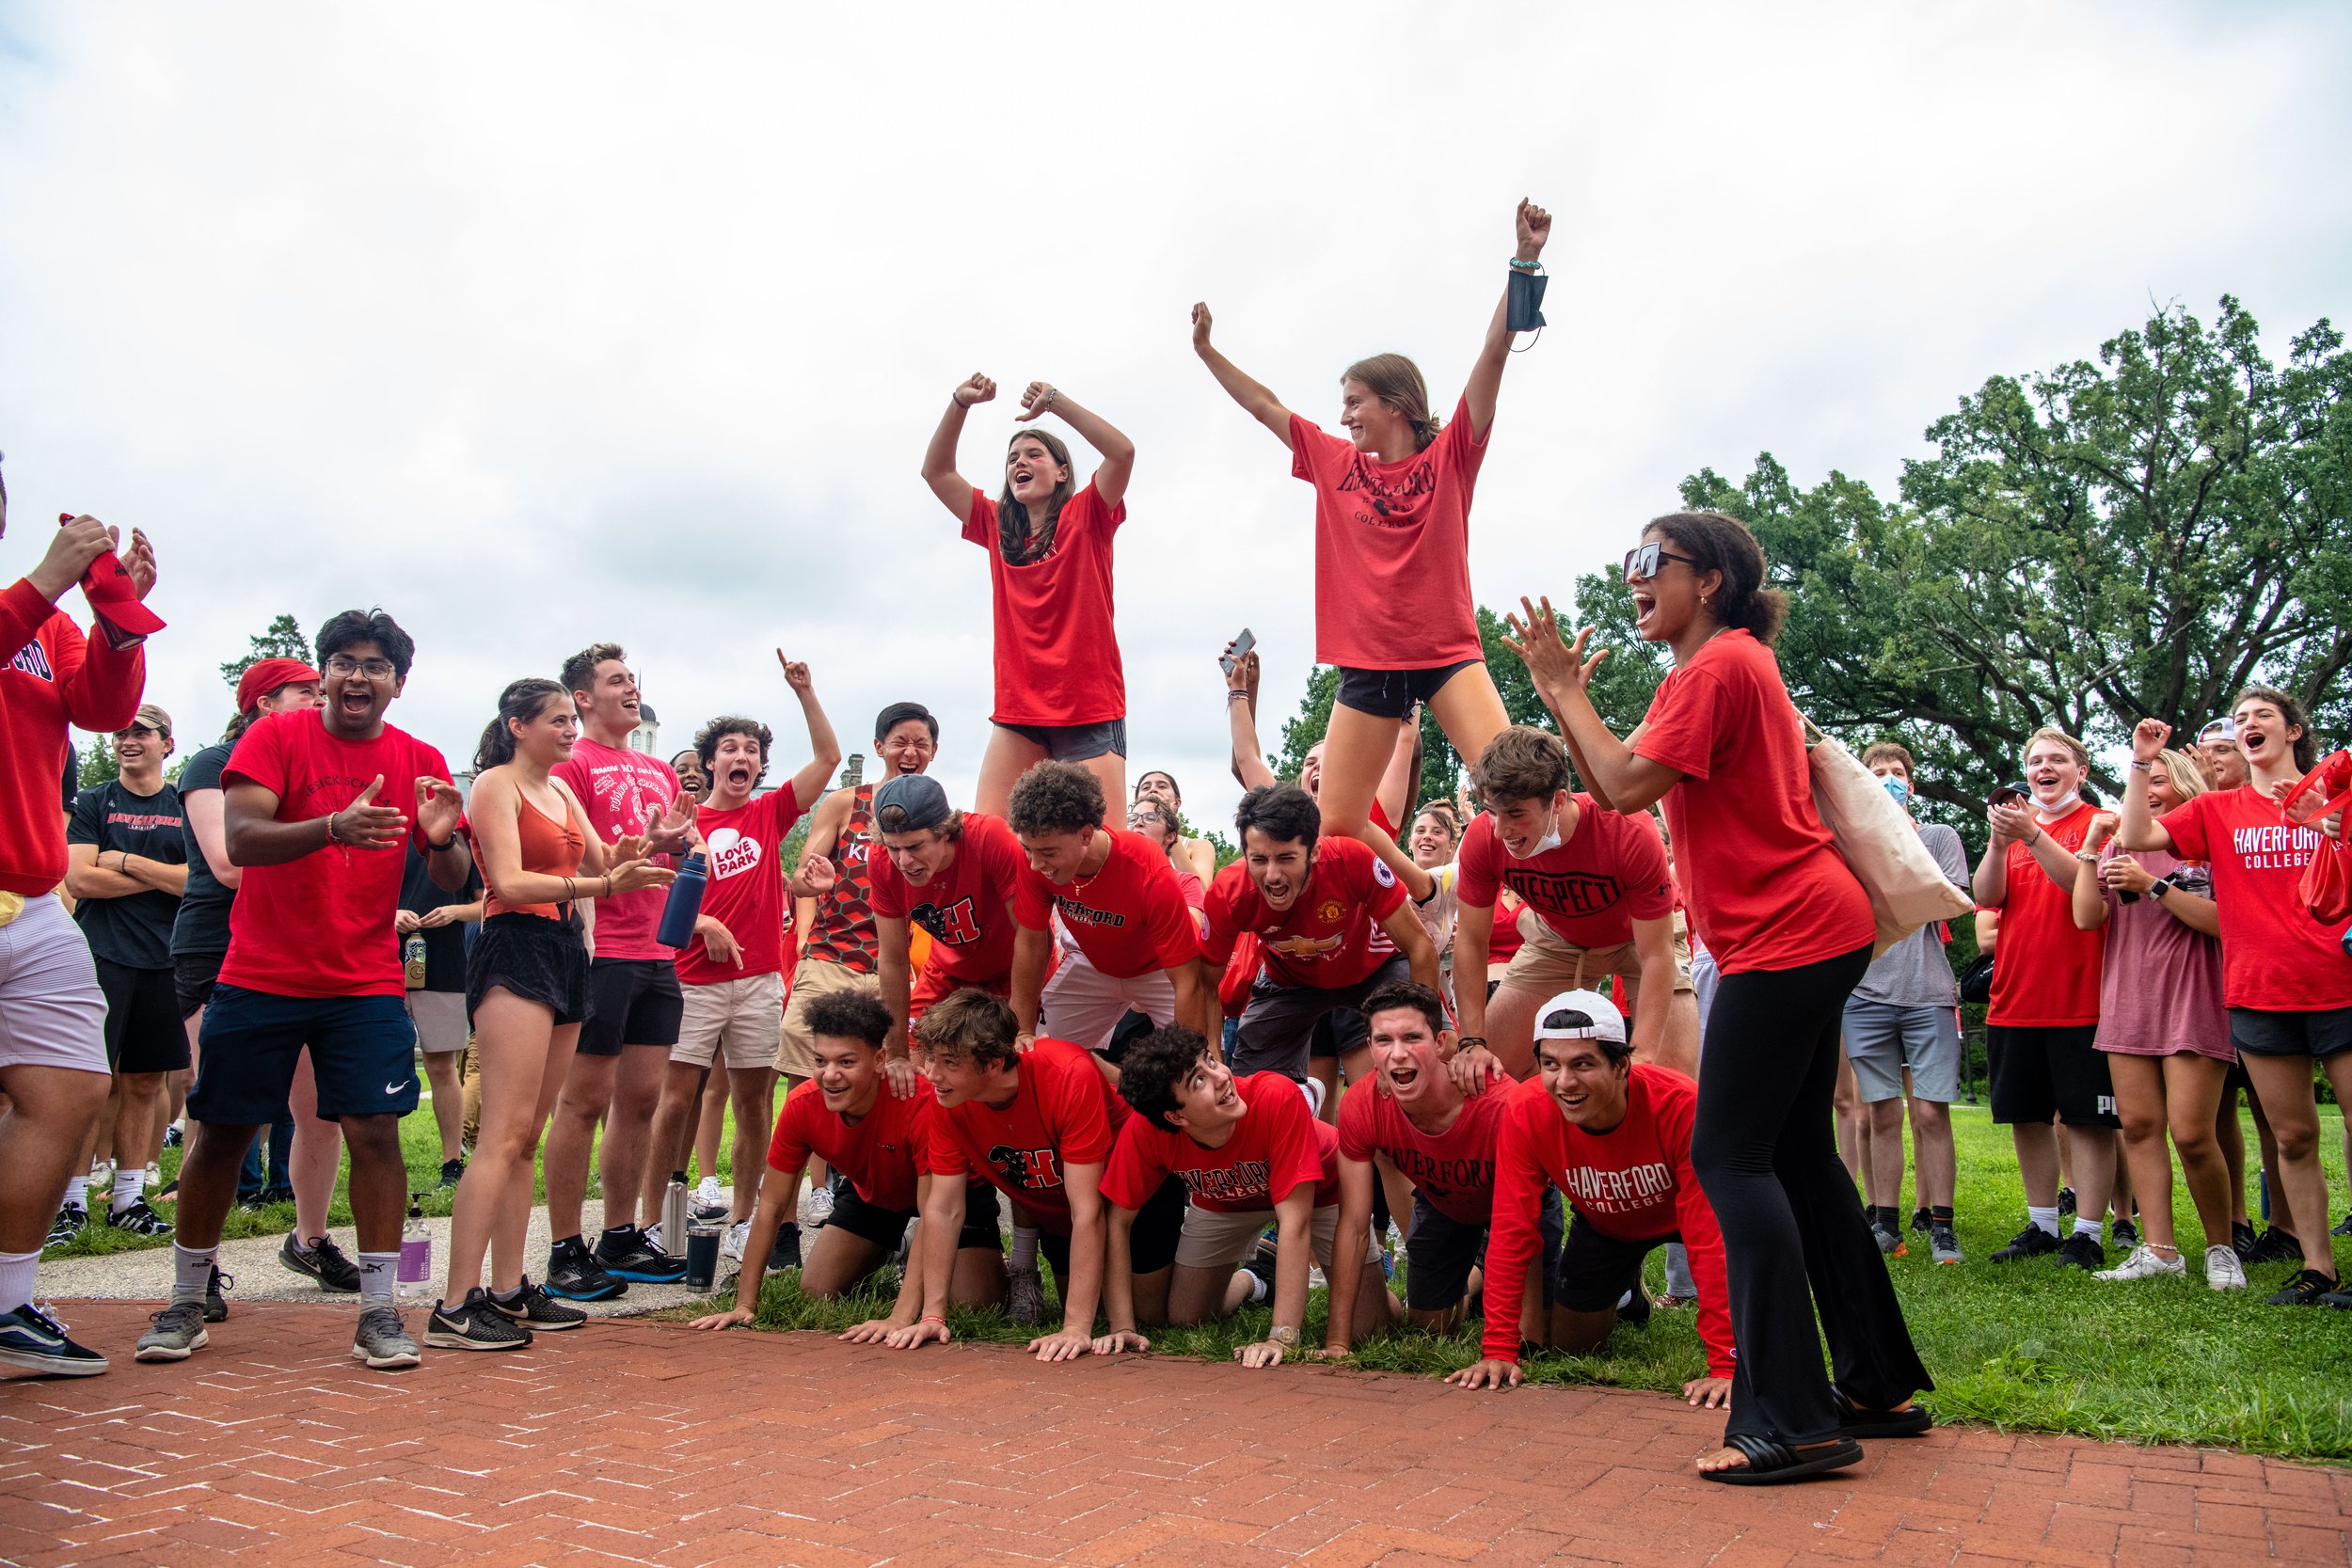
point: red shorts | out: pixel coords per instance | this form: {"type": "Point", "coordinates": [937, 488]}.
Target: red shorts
{"type": "Point", "coordinates": [935, 982]}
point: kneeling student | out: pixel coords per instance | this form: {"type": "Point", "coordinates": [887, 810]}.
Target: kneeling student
{"type": "Point", "coordinates": [1614, 1136]}
{"type": "Point", "coordinates": [1442, 1140]}
{"type": "Point", "coordinates": [848, 1117]}
{"type": "Point", "coordinates": [1242, 1147]}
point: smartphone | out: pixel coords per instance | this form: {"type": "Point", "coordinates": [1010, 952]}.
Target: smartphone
{"type": "Point", "coordinates": [1242, 644]}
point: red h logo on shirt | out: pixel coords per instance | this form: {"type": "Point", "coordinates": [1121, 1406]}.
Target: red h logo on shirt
{"type": "Point", "coordinates": [956, 925]}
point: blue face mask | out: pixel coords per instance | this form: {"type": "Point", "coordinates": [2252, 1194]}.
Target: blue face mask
{"type": "Point", "coordinates": [1899, 789]}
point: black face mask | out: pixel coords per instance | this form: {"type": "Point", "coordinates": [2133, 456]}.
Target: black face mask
{"type": "Point", "coordinates": [1525, 312]}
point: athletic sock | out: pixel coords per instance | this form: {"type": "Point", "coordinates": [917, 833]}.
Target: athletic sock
{"type": "Point", "coordinates": [192, 1271]}
{"type": "Point", "coordinates": [508, 1298]}
{"type": "Point", "coordinates": [378, 1272]}
{"type": "Point", "coordinates": [1257, 1287]}
{"type": "Point", "coordinates": [2085, 1227]}
{"type": "Point", "coordinates": [130, 1186]}
{"type": "Point", "coordinates": [1890, 1217]}
{"type": "Point", "coordinates": [2045, 1218]}
{"type": "Point", "coordinates": [1023, 1248]}
{"type": "Point", "coordinates": [1941, 1215]}
{"type": "Point", "coordinates": [78, 1192]}
{"type": "Point", "coordinates": [16, 1278]}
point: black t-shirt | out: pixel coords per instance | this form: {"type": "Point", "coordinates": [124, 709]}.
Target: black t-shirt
{"type": "Point", "coordinates": [203, 923]}
{"type": "Point", "coordinates": [444, 946]}
{"type": "Point", "coordinates": [134, 930]}
{"type": "Point", "coordinates": [72, 777]}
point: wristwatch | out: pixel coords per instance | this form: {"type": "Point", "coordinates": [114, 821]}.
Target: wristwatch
{"type": "Point", "coordinates": [2158, 888]}
{"type": "Point", "coordinates": [1285, 1336]}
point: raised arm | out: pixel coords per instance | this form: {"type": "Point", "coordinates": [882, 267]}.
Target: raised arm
{"type": "Point", "coordinates": [2141, 829]}
{"type": "Point", "coordinates": [1263, 405]}
{"type": "Point", "coordinates": [809, 782]}
{"type": "Point", "coordinates": [1613, 771]}
{"type": "Point", "coordinates": [1485, 377]}
{"type": "Point", "coordinates": [1119, 453]}
{"type": "Point", "coordinates": [1241, 719]}
{"type": "Point", "coordinates": [939, 459]}
{"type": "Point", "coordinates": [2090, 903]}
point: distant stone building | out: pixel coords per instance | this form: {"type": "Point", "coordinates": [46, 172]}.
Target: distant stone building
{"type": "Point", "coordinates": [646, 737]}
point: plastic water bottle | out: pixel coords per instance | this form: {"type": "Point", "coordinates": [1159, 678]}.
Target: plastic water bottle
{"type": "Point", "coordinates": [685, 905]}
{"type": "Point", "coordinates": [674, 1215]}
{"type": "Point", "coordinates": [412, 1283]}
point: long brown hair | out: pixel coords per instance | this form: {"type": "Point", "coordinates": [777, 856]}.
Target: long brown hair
{"type": "Point", "coordinates": [2306, 745]}
{"type": "Point", "coordinates": [1396, 380]}
{"type": "Point", "coordinates": [1013, 517]}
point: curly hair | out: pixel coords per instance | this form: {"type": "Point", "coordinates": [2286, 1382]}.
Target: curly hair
{"type": "Point", "coordinates": [1154, 1066]}
{"type": "Point", "coordinates": [706, 741]}
{"type": "Point", "coordinates": [1056, 798]}
{"type": "Point", "coordinates": [848, 1015]}
{"type": "Point", "coordinates": [1282, 812]}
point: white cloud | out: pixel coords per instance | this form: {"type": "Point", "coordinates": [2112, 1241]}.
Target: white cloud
{"type": "Point", "coordinates": [539, 324]}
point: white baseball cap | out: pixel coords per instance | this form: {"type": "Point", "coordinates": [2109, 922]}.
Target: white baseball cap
{"type": "Point", "coordinates": [1579, 1015]}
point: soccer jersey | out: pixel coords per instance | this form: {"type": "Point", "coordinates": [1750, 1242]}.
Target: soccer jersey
{"type": "Point", "coordinates": [1129, 918]}
{"type": "Point", "coordinates": [1330, 936]}
{"type": "Point", "coordinates": [1063, 1113]}
{"type": "Point", "coordinates": [842, 931]}
{"type": "Point", "coordinates": [1277, 1147]}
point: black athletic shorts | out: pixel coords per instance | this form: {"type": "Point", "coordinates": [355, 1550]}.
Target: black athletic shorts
{"type": "Point", "coordinates": [1595, 1271]}
{"type": "Point", "coordinates": [1151, 1245]}
{"type": "Point", "coordinates": [193, 976]}
{"type": "Point", "coordinates": [537, 958]}
{"type": "Point", "coordinates": [2254, 1031]}
{"type": "Point", "coordinates": [363, 1053]}
{"type": "Point", "coordinates": [2043, 1071]}
{"type": "Point", "coordinates": [1074, 742]}
{"type": "Point", "coordinates": [884, 1227]}
{"type": "Point", "coordinates": [1283, 1026]}
{"type": "Point", "coordinates": [632, 1002]}
{"type": "Point", "coordinates": [146, 1032]}
{"type": "Point", "coordinates": [1391, 693]}
{"type": "Point", "coordinates": [1441, 1251]}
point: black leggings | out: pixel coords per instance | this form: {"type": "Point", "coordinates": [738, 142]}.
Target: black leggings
{"type": "Point", "coordinates": [1766, 1152]}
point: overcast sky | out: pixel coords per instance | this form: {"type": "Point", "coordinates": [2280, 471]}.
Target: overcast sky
{"type": "Point", "coordinates": [544, 325]}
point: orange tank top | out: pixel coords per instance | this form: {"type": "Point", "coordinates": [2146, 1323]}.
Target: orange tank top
{"type": "Point", "coordinates": [549, 848]}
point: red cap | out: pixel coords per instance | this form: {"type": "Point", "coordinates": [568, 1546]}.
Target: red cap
{"type": "Point", "coordinates": [265, 675]}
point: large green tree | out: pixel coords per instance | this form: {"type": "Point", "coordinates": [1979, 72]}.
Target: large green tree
{"type": "Point", "coordinates": [281, 639]}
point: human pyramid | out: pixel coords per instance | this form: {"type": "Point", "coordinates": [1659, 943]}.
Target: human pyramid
{"type": "Point", "coordinates": [1186, 1087]}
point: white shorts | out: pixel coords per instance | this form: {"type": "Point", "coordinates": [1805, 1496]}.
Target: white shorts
{"type": "Point", "coordinates": [1082, 1005]}
{"type": "Point", "coordinates": [52, 1013]}
{"type": "Point", "coordinates": [1215, 1239]}
{"type": "Point", "coordinates": [739, 1017]}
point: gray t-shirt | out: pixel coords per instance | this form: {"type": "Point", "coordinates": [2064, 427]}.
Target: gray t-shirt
{"type": "Point", "coordinates": [1914, 973]}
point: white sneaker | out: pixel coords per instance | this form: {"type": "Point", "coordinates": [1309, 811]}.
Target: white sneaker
{"type": "Point", "coordinates": [817, 1208]}
{"type": "Point", "coordinates": [709, 1195]}
{"type": "Point", "coordinates": [732, 1247]}
{"type": "Point", "coordinates": [2144, 1263]}
{"type": "Point", "coordinates": [1313, 1089]}
{"type": "Point", "coordinates": [2223, 1272]}
{"type": "Point", "coordinates": [153, 1176]}
{"type": "Point", "coordinates": [652, 1235]}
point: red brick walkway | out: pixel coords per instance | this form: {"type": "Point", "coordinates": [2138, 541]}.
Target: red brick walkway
{"type": "Point", "coordinates": [642, 1443]}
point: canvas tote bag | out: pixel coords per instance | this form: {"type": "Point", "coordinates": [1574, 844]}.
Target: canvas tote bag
{"type": "Point", "coordinates": [1880, 844]}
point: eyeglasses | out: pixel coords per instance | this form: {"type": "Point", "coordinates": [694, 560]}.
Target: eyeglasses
{"type": "Point", "coordinates": [374, 669]}
{"type": "Point", "coordinates": [1640, 563]}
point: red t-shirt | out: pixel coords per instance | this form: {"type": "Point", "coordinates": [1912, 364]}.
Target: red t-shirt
{"type": "Point", "coordinates": [1277, 1147]}
{"type": "Point", "coordinates": [1632, 1183]}
{"type": "Point", "coordinates": [2275, 957]}
{"type": "Point", "coordinates": [623, 792]}
{"type": "Point", "coordinates": [1455, 1170]}
{"type": "Point", "coordinates": [882, 1153]}
{"type": "Point", "coordinates": [1390, 534]}
{"type": "Point", "coordinates": [1766, 889]}
{"type": "Point", "coordinates": [1057, 652]}
{"type": "Point", "coordinates": [1129, 918]}
{"type": "Point", "coordinates": [52, 678]}
{"type": "Point", "coordinates": [321, 925]}
{"type": "Point", "coordinates": [1330, 936]}
{"type": "Point", "coordinates": [745, 893]}
{"type": "Point", "coordinates": [2048, 972]}
{"type": "Point", "coordinates": [963, 907]}
{"type": "Point", "coordinates": [1063, 1113]}
{"type": "Point", "coordinates": [1591, 890]}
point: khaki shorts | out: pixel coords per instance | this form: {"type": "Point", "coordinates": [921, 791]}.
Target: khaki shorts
{"type": "Point", "coordinates": [737, 1016]}
{"type": "Point", "coordinates": [1547, 963]}
{"type": "Point", "coordinates": [440, 1020]}
{"type": "Point", "coordinates": [796, 1048]}
{"type": "Point", "coordinates": [1215, 1239]}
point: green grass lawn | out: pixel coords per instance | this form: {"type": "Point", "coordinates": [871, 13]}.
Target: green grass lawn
{"type": "Point", "coordinates": [2028, 1346]}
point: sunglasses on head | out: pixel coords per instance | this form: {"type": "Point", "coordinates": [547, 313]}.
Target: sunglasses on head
{"type": "Point", "coordinates": [1641, 562]}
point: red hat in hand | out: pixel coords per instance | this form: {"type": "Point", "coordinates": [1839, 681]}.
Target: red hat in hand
{"type": "Point", "coordinates": [114, 597]}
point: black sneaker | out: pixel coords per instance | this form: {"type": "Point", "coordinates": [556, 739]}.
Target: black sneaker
{"type": "Point", "coordinates": [2276, 1246]}
{"type": "Point", "coordinates": [1921, 1221]}
{"type": "Point", "coordinates": [785, 1254]}
{"type": "Point", "coordinates": [626, 1255]}
{"type": "Point", "coordinates": [140, 1220]}
{"type": "Point", "coordinates": [452, 1170]}
{"type": "Point", "coordinates": [30, 1338]}
{"type": "Point", "coordinates": [538, 1311]}
{"type": "Point", "coordinates": [2242, 1240]}
{"type": "Point", "coordinates": [323, 1260]}
{"type": "Point", "coordinates": [574, 1273]}
{"type": "Point", "coordinates": [2343, 1225]}
{"type": "Point", "coordinates": [2124, 1234]}
{"type": "Point", "coordinates": [173, 1137]}
{"type": "Point", "coordinates": [1634, 1305]}
{"type": "Point", "coordinates": [2032, 1241]}
{"type": "Point", "coordinates": [268, 1196]}
{"type": "Point", "coordinates": [1261, 1262]}
{"type": "Point", "coordinates": [2339, 1299]}
{"type": "Point", "coordinates": [215, 1301]}
{"type": "Point", "coordinates": [2082, 1251]}
{"type": "Point", "coordinates": [67, 1227]}
{"type": "Point", "coordinates": [2066, 1201]}
{"type": "Point", "coordinates": [2305, 1289]}
{"type": "Point", "coordinates": [473, 1323]}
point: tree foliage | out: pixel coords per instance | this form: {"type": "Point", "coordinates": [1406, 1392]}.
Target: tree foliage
{"type": "Point", "coordinates": [281, 639]}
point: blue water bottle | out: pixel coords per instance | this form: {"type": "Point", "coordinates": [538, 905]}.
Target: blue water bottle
{"type": "Point", "coordinates": [686, 903]}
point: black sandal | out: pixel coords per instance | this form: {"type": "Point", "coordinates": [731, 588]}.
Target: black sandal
{"type": "Point", "coordinates": [1771, 1461]}
{"type": "Point", "coordinates": [1855, 1420]}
